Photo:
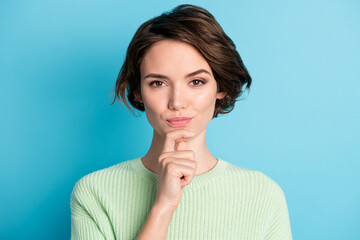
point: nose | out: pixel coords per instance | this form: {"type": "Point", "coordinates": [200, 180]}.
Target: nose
{"type": "Point", "coordinates": [177, 99]}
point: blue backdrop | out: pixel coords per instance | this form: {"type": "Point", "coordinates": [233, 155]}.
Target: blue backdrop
{"type": "Point", "coordinates": [299, 124]}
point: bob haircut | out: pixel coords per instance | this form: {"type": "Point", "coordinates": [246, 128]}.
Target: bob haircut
{"type": "Point", "coordinates": [197, 27]}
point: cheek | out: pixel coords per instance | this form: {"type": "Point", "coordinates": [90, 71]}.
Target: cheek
{"type": "Point", "coordinates": [205, 102]}
{"type": "Point", "coordinates": [153, 107]}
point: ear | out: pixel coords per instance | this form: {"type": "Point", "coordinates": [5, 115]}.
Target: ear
{"type": "Point", "coordinates": [220, 95]}
{"type": "Point", "coordinates": [138, 96]}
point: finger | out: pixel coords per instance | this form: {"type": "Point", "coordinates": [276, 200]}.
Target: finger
{"type": "Point", "coordinates": [181, 145]}
{"type": "Point", "coordinates": [187, 174]}
{"type": "Point", "coordinates": [171, 137]}
{"type": "Point", "coordinates": [180, 161]}
{"type": "Point", "coordinates": [188, 154]}
{"type": "Point", "coordinates": [182, 171]}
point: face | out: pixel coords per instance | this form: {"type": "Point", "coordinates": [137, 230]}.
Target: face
{"type": "Point", "coordinates": [176, 81]}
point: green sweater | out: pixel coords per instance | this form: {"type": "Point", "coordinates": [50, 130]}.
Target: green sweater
{"type": "Point", "coordinates": [228, 202]}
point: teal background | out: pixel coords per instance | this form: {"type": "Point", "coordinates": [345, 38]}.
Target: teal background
{"type": "Point", "coordinates": [299, 124]}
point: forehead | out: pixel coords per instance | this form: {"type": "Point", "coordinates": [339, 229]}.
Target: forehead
{"type": "Point", "coordinates": [172, 57]}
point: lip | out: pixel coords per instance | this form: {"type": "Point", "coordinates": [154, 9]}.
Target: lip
{"type": "Point", "coordinates": [179, 121]}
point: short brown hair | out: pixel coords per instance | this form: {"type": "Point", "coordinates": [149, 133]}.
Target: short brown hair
{"type": "Point", "coordinates": [196, 26]}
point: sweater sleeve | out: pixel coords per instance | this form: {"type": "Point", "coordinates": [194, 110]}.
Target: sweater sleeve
{"type": "Point", "coordinates": [279, 226]}
{"type": "Point", "coordinates": [84, 229]}
{"type": "Point", "coordinates": [88, 219]}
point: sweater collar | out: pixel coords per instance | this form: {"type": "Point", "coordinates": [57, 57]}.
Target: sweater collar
{"type": "Point", "coordinates": [197, 181]}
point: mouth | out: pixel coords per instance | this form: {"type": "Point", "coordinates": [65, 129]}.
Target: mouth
{"type": "Point", "coordinates": [178, 121]}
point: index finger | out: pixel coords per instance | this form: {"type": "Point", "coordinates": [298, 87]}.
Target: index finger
{"type": "Point", "coordinates": [172, 137]}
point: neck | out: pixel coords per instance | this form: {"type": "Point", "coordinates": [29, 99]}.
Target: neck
{"type": "Point", "coordinates": [205, 160]}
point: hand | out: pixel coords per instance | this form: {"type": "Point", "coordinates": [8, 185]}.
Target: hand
{"type": "Point", "coordinates": [176, 169]}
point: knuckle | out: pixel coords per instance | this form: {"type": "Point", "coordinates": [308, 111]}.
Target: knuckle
{"type": "Point", "coordinates": [194, 164]}
{"type": "Point", "coordinates": [161, 157]}
{"type": "Point", "coordinates": [164, 155]}
{"type": "Point", "coordinates": [171, 166]}
{"type": "Point", "coordinates": [163, 162]}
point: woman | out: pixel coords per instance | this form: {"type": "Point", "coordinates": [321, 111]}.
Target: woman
{"type": "Point", "coordinates": [182, 70]}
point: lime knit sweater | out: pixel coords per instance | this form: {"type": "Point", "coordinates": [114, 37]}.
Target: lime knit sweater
{"type": "Point", "coordinates": [227, 202]}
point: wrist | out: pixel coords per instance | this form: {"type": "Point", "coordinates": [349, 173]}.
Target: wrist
{"type": "Point", "coordinates": [162, 208]}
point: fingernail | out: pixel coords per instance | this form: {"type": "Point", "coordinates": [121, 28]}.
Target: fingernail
{"type": "Point", "coordinates": [191, 133]}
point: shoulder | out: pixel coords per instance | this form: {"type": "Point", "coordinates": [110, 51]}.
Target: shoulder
{"type": "Point", "coordinates": [91, 191]}
{"type": "Point", "coordinates": [102, 179]}
{"type": "Point", "coordinates": [255, 181]}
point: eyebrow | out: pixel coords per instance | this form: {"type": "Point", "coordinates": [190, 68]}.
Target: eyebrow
{"type": "Point", "coordinates": [154, 75]}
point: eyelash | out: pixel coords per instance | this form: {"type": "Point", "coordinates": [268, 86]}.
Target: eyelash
{"type": "Point", "coordinates": [199, 80]}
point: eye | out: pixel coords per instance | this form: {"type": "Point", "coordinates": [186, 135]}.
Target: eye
{"type": "Point", "coordinates": [198, 82]}
{"type": "Point", "coordinates": [157, 83]}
